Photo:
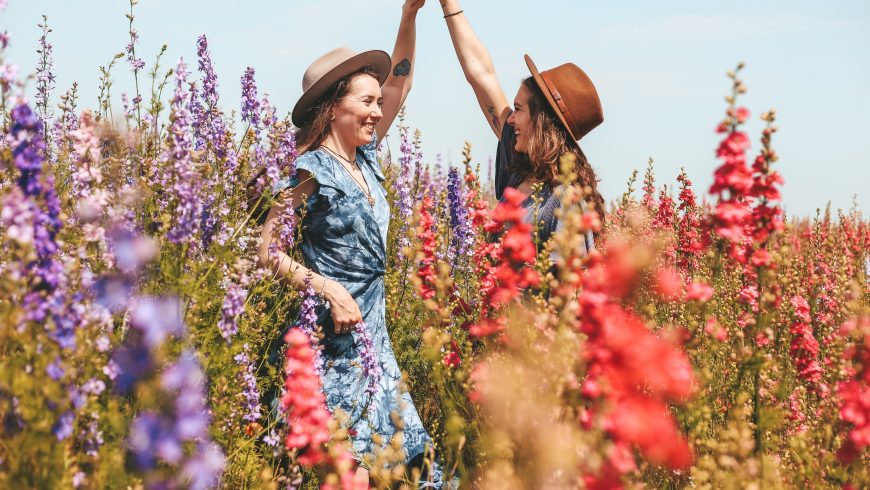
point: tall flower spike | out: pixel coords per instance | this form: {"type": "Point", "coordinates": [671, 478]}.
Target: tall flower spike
{"type": "Point", "coordinates": [186, 180]}
{"type": "Point", "coordinates": [462, 237]}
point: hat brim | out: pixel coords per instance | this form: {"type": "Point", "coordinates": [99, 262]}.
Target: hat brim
{"type": "Point", "coordinates": [376, 58]}
{"type": "Point", "coordinates": [546, 91]}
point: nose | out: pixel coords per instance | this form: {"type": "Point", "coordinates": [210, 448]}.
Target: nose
{"type": "Point", "coordinates": [510, 119]}
{"type": "Point", "coordinates": [377, 113]}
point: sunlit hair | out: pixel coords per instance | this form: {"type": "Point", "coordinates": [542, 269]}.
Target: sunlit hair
{"type": "Point", "coordinates": [547, 142]}
{"type": "Point", "coordinates": [319, 116]}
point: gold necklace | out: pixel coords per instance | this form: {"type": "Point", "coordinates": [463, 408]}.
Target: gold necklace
{"type": "Point", "coordinates": [354, 166]}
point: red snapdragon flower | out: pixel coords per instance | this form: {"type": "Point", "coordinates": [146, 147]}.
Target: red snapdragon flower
{"type": "Point", "coordinates": [303, 401]}
{"type": "Point", "coordinates": [426, 269]}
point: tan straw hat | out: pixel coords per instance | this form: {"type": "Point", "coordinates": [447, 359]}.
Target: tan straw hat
{"type": "Point", "coordinates": [330, 68]}
{"type": "Point", "coordinates": [571, 95]}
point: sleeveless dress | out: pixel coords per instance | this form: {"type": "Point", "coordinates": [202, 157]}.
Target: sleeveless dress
{"type": "Point", "coordinates": [344, 239]}
{"type": "Point", "coordinates": [542, 216]}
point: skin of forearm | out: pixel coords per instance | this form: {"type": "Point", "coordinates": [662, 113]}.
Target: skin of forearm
{"type": "Point", "coordinates": [402, 74]}
{"type": "Point", "coordinates": [473, 56]}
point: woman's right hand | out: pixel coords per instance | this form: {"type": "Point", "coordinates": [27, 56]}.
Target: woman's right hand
{"type": "Point", "coordinates": [345, 310]}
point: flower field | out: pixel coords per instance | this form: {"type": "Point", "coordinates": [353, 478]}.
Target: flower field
{"type": "Point", "coordinates": [708, 342]}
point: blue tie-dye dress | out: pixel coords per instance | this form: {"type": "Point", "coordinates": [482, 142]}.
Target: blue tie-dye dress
{"type": "Point", "coordinates": [344, 239]}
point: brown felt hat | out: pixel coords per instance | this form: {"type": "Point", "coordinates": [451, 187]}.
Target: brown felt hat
{"type": "Point", "coordinates": [330, 68]}
{"type": "Point", "coordinates": [571, 95]}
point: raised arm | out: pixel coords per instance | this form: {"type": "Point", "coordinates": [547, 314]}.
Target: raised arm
{"type": "Point", "coordinates": [398, 84]}
{"type": "Point", "coordinates": [345, 310]}
{"type": "Point", "coordinates": [477, 67]}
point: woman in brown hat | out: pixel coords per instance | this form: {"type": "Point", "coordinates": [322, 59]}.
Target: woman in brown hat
{"type": "Point", "coordinates": [552, 110]}
{"type": "Point", "coordinates": [349, 100]}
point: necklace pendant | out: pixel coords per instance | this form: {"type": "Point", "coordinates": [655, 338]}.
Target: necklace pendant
{"type": "Point", "coordinates": [371, 201]}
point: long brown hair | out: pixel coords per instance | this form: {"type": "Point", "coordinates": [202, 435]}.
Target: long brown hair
{"type": "Point", "coordinates": [319, 116]}
{"type": "Point", "coordinates": [548, 141]}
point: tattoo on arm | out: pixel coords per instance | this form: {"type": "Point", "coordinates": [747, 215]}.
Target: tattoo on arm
{"type": "Point", "coordinates": [493, 117]}
{"type": "Point", "coordinates": [402, 68]}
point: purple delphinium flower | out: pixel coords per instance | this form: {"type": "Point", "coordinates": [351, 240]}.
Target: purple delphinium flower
{"type": "Point", "coordinates": [462, 239]}
{"type": "Point", "coordinates": [55, 370]}
{"type": "Point", "coordinates": [308, 322]}
{"type": "Point", "coordinates": [212, 126]}
{"type": "Point", "coordinates": [233, 306]}
{"type": "Point", "coordinates": [135, 63]}
{"type": "Point", "coordinates": [250, 104]}
{"type": "Point", "coordinates": [152, 320]}
{"type": "Point", "coordinates": [157, 318]}
{"type": "Point", "coordinates": [164, 435]}
{"type": "Point", "coordinates": [91, 436]}
{"type": "Point", "coordinates": [371, 368]}
{"type": "Point", "coordinates": [250, 392]}
{"type": "Point", "coordinates": [404, 200]}
{"type": "Point", "coordinates": [186, 379]}
{"type": "Point", "coordinates": [37, 186]}
{"type": "Point", "coordinates": [63, 428]}
{"type": "Point", "coordinates": [68, 122]}
{"type": "Point", "coordinates": [151, 435]}
{"type": "Point", "coordinates": [204, 469]}
{"type": "Point", "coordinates": [45, 79]}
{"type": "Point", "coordinates": [187, 181]}
{"type": "Point", "coordinates": [28, 150]}
{"type": "Point", "coordinates": [79, 479]}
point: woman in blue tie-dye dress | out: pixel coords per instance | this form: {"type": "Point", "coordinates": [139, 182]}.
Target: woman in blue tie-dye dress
{"type": "Point", "coordinates": [348, 100]}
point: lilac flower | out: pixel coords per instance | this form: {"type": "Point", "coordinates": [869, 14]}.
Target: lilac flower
{"type": "Point", "coordinates": [233, 306]}
{"type": "Point", "coordinates": [135, 63]}
{"type": "Point", "coordinates": [4, 36]}
{"type": "Point", "coordinates": [404, 201]}
{"type": "Point", "coordinates": [209, 79]}
{"type": "Point", "coordinates": [462, 239]}
{"type": "Point", "coordinates": [8, 74]}
{"type": "Point", "coordinates": [272, 439]}
{"type": "Point", "coordinates": [205, 468]}
{"type": "Point", "coordinates": [3, 4]}
{"type": "Point", "coordinates": [151, 435]}
{"type": "Point", "coordinates": [186, 380]}
{"type": "Point", "coordinates": [111, 369]}
{"type": "Point", "coordinates": [131, 251]}
{"type": "Point", "coordinates": [371, 368]}
{"type": "Point", "coordinates": [250, 105]}
{"type": "Point", "coordinates": [157, 318]}
{"type": "Point", "coordinates": [91, 436]}
{"type": "Point", "coordinates": [79, 479]}
{"type": "Point", "coordinates": [94, 386]}
{"type": "Point", "coordinates": [63, 428]}
{"type": "Point", "coordinates": [16, 217]}
{"type": "Point", "coordinates": [186, 182]}
{"type": "Point", "coordinates": [28, 150]}
{"type": "Point", "coordinates": [164, 434]}
{"type": "Point", "coordinates": [285, 232]}
{"type": "Point", "coordinates": [308, 322]}
{"type": "Point", "coordinates": [55, 370]}
{"type": "Point", "coordinates": [251, 392]}
{"type": "Point", "coordinates": [77, 397]}
{"type": "Point", "coordinates": [45, 79]}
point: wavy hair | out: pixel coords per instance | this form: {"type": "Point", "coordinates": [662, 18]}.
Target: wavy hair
{"type": "Point", "coordinates": [548, 141]}
{"type": "Point", "coordinates": [319, 116]}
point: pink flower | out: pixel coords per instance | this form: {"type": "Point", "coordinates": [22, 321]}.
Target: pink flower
{"type": "Point", "coordinates": [669, 284]}
{"type": "Point", "coordinates": [698, 291]}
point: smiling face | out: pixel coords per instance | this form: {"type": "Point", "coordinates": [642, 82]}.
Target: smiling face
{"type": "Point", "coordinates": [521, 119]}
{"type": "Point", "coordinates": [357, 112]}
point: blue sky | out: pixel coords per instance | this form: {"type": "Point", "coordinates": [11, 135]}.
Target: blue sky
{"type": "Point", "coordinates": [659, 68]}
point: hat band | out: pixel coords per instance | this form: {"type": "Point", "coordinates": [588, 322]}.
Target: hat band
{"type": "Point", "coordinates": [559, 102]}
